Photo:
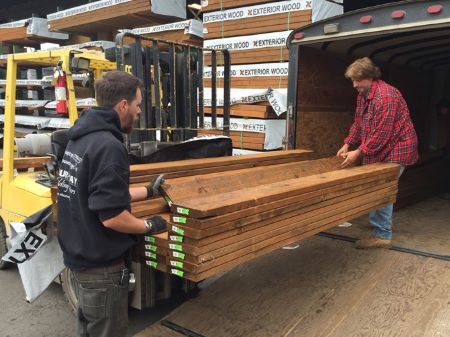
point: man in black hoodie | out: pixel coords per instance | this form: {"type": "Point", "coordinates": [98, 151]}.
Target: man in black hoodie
{"type": "Point", "coordinates": [95, 226]}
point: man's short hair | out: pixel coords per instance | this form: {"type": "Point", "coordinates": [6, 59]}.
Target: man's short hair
{"type": "Point", "coordinates": [115, 86]}
{"type": "Point", "coordinates": [363, 69]}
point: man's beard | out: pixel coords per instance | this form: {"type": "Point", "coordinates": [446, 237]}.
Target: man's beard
{"type": "Point", "coordinates": [128, 127]}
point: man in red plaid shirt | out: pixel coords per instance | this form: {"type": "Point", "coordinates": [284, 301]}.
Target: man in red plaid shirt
{"type": "Point", "coordinates": [382, 132]}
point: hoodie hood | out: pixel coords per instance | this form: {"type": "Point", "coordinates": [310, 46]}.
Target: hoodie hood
{"type": "Point", "coordinates": [94, 120]}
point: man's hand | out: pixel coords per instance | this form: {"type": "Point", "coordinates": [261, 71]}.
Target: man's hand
{"type": "Point", "coordinates": [154, 186]}
{"type": "Point", "coordinates": [342, 151]}
{"type": "Point", "coordinates": [158, 224]}
{"type": "Point", "coordinates": [350, 157]}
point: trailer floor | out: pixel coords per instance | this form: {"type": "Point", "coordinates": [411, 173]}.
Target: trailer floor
{"type": "Point", "coordinates": [422, 227]}
{"type": "Point", "coordinates": [323, 288]}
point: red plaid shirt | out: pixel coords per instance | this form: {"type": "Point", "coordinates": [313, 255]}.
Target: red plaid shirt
{"type": "Point", "coordinates": [383, 129]}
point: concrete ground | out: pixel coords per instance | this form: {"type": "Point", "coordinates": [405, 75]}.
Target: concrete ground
{"type": "Point", "coordinates": [51, 316]}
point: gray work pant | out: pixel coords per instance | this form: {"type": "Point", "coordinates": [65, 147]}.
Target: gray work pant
{"type": "Point", "coordinates": [102, 303]}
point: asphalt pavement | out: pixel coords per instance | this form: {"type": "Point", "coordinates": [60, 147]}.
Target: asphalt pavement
{"type": "Point", "coordinates": [50, 314]}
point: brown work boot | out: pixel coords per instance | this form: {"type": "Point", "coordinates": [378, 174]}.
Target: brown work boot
{"type": "Point", "coordinates": [373, 242]}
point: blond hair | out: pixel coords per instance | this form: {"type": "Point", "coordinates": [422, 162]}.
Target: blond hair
{"type": "Point", "coordinates": [363, 69]}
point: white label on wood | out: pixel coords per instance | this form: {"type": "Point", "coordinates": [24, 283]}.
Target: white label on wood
{"type": "Point", "coordinates": [258, 10]}
{"type": "Point", "coordinates": [256, 41]}
{"type": "Point", "coordinates": [188, 26]}
{"type": "Point", "coordinates": [84, 8]}
{"type": "Point", "coordinates": [15, 24]}
{"type": "Point", "coordinates": [251, 70]}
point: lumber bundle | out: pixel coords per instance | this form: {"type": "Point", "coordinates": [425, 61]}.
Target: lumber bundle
{"type": "Point", "coordinates": [241, 139]}
{"type": "Point", "coordinates": [250, 55]}
{"type": "Point", "coordinates": [98, 17]}
{"type": "Point", "coordinates": [216, 226]}
{"type": "Point", "coordinates": [423, 180]}
{"type": "Point", "coordinates": [154, 250]}
{"type": "Point", "coordinates": [29, 32]}
{"type": "Point", "coordinates": [212, 5]}
{"type": "Point", "coordinates": [248, 25]}
{"type": "Point", "coordinates": [262, 82]}
{"type": "Point", "coordinates": [145, 173]}
{"type": "Point", "coordinates": [188, 31]}
{"type": "Point", "coordinates": [261, 110]}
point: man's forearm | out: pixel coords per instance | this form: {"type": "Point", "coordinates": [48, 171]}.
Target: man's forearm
{"type": "Point", "coordinates": [126, 222]}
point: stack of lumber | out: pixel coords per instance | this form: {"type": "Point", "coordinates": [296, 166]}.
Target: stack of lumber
{"type": "Point", "coordinates": [224, 219]}
{"type": "Point", "coordinates": [426, 178]}
{"type": "Point", "coordinates": [151, 249]}
{"type": "Point", "coordinates": [29, 32]}
{"type": "Point", "coordinates": [255, 33]}
{"type": "Point", "coordinates": [105, 16]}
{"type": "Point", "coordinates": [188, 31]}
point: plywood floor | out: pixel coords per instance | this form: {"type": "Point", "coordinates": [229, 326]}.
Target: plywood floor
{"type": "Point", "coordinates": [323, 288]}
{"type": "Point", "coordinates": [424, 227]}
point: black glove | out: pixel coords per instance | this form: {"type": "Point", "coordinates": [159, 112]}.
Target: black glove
{"type": "Point", "coordinates": [154, 186]}
{"type": "Point", "coordinates": [156, 224]}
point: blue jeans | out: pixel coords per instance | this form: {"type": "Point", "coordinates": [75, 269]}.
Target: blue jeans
{"type": "Point", "coordinates": [381, 219]}
{"type": "Point", "coordinates": [102, 304]}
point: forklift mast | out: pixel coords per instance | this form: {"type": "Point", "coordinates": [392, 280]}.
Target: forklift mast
{"type": "Point", "coordinates": [173, 93]}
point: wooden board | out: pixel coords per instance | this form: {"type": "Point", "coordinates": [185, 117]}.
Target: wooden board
{"type": "Point", "coordinates": [241, 139]}
{"type": "Point", "coordinates": [324, 288]}
{"type": "Point", "coordinates": [20, 36]}
{"type": "Point", "coordinates": [202, 205]}
{"type": "Point", "coordinates": [28, 162]}
{"type": "Point", "coordinates": [220, 163]}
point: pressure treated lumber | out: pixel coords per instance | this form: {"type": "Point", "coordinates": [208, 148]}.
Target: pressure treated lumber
{"type": "Point", "coordinates": [131, 14]}
{"type": "Point", "coordinates": [213, 184]}
{"type": "Point", "coordinates": [233, 222]}
{"type": "Point", "coordinates": [20, 36]}
{"type": "Point", "coordinates": [200, 204]}
{"type": "Point", "coordinates": [247, 110]}
{"type": "Point", "coordinates": [257, 25]}
{"type": "Point", "coordinates": [269, 246]}
{"type": "Point", "coordinates": [257, 82]}
{"type": "Point", "coordinates": [249, 56]}
{"type": "Point", "coordinates": [28, 162]}
{"type": "Point", "coordinates": [296, 213]}
{"type": "Point", "coordinates": [146, 172]}
{"type": "Point", "coordinates": [213, 5]}
{"type": "Point", "coordinates": [241, 139]}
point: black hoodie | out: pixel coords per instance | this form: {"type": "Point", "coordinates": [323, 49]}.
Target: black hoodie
{"type": "Point", "coordinates": [93, 186]}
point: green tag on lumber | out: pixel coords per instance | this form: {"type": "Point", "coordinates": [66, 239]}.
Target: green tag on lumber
{"type": "Point", "coordinates": [151, 255]}
{"type": "Point", "coordinates": [179, 219]}
{"type": "Point", "coordinates": [178, 230]}
{"type": "Point", "coordinates": [178, 255]}
{"type": "Point", "coordinates": [177, 272]}
{"type": "Point", "coordinates": [177, 264]}
{"type": "Point", "coordinates": [182, 210]}
{"type": "Point", "coordinates": [151, 247]}
{"type": "Point", "coordinates": [176, 238]}
{"type": "Point", "coordinates": [149, 239]}
{"type": "Point", "coordinates": [152, 263]}
{"type": "Point", "coordinates": [176, 247]}
{"type": "Point", "coordinates": [168, 201]}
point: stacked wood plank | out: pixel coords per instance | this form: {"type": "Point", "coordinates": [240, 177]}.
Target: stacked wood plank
{"type": "Point", "coordinates": [188, 31]}
{"type": "Point", "coordinates": [255, 33]}
{"type": "Point", "coordinates": [221, 220]}
{"type": "Point", "coordinates": [153, 249]}
{"type": "Point", "coordinates": [423, 180]}
{"type": "Point", "coordinates": [92, 18]}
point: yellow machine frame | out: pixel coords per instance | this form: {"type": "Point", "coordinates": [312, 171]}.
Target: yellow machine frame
{"type": "Point", "coordinates": [20, 194]}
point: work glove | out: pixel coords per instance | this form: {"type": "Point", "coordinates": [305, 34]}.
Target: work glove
{"type": "Point", "coordinates": [156, 224]}
{"type": "Point", "coordinates": [154, 187]}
